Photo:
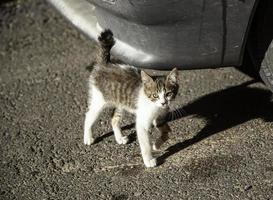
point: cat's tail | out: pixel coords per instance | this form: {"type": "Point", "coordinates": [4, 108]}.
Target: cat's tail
{"type": "Point", "coordinates": [106, 42]}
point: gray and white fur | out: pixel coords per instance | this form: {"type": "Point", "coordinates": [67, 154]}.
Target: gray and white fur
{"type": "Point", "coordinates": [126, 88]}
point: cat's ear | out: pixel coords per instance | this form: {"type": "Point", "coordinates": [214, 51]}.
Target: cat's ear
{"type": "Point", "coordinates": [145, 77]}
{"type": "Point", "coordinates": [173, 76]}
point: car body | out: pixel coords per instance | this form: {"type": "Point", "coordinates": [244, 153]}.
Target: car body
{"type": "Point", "coordinates": [167, 33]}
{"type": "Point", "coordinates": [187, 34]}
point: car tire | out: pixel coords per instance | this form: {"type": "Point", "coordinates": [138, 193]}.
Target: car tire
{"type": "Point", "coordinates": [266, 69]}
{"type": "Point", "coordinates": [259, 44]}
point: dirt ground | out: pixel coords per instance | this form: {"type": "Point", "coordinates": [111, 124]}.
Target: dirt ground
{"type": "Point", "coordinates": [221, 148]}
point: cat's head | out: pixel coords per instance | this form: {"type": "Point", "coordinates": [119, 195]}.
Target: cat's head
{"type": "Point", "coordinates": [162, 89]}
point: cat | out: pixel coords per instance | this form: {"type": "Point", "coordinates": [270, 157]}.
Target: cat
{"type": "Point", "coordinates": [126, 88]}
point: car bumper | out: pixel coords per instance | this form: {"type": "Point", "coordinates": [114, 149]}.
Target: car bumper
{"type": "Point", "coordinates": [200, 35]}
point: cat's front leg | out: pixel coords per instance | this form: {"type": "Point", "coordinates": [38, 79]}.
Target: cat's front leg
{"type": "Point", "coordinates": [161, 124]}
{"type": "Point", "coordinates": [164, 136]}
{"type": "Point", "coordinates": [142, 127]}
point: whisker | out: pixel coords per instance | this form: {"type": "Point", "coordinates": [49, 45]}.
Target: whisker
{"type": "Point", "coordinates": [184, 111]}
{"type": "Point", "coordinates": [181, 113]}
{"type": "Point", "coordinates": [171, 114]}
{"type": "Point", "coordinates": [176, 114]}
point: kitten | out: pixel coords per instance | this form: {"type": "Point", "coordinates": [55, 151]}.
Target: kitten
{"type": "Point", "coordinates": [126, 88]}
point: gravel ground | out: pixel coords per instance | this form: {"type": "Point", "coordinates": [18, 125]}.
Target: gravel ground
{"type": "Point", "coordinates": [222, 148]}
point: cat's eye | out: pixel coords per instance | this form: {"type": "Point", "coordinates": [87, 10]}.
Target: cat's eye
{"type": "Point", "coordinates": [169, 94]}
{"type": "Point", "coordinates": [155, 96]}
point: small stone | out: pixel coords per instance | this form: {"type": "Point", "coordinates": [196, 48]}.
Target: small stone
{"type": "Point", "coordinates": [248, 188]}
{"type": "Point", "coordinates": [136, 194]}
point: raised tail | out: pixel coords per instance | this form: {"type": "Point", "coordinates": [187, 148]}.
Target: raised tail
{"type": "Point", "coordinates": [106, 42]}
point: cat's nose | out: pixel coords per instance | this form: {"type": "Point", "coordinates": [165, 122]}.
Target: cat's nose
{"type": "Point", "coordinates": [163, 103]}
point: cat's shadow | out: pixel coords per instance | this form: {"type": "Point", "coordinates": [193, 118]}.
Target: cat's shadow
{"type": "Point", "coordinates": [132, 137]}
{"type": "Point", "coordinates": [222, 110]}
{"type": "Point", "coordinates": [225, 109]}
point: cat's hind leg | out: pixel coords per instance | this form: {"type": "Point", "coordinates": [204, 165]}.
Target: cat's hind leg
{"type": "Point", "coordinates": [96, 104]}
{"type": "Point", "coordinates": [117, 115]}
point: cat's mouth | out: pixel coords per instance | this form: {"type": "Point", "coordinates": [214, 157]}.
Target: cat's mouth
{"type": "Point", "coordinates": [164, 105]}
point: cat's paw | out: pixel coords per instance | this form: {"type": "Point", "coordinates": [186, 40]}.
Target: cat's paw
{"type": "Point", "coordinates": [122, 140]}
{"type": "Point", "coordinates": [150, 163]}
{"type": "Point", "coordinates": [88, 141]}
{"type": "Point", "coordinates": [156, 145]}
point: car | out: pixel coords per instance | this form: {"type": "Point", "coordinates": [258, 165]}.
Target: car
{"type": "Point", "coordinates": [187, 34]}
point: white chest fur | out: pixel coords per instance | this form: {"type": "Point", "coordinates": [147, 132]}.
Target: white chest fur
{"type": "Point", "coordinates": [146, 109]}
